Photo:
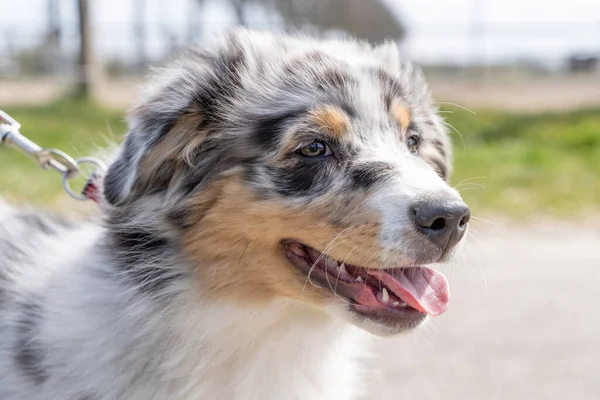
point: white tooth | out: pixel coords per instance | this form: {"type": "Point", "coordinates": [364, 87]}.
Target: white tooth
{"type": "Point", "coordinates": [385, 297]}
{"type": "Point", "coordinates": [395, 303]}
{"type": "Point", "coordinates": [359, 279]}
{"type": "Point", "coordinates": [331, 263]}
{"type": "Point", "coordinates": [343, 269]}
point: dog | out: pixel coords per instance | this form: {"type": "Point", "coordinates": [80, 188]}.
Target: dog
{"type": "Point", "coordinates": [273, 206]}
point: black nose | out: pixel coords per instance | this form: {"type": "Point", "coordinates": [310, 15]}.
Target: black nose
{"type": "Point", "coordinates": [444, 221]}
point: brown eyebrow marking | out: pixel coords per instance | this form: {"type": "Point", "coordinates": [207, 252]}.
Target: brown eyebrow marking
{"type": "Point", "coordinates": [401, 113]}
{"type": "Point", "coordinates": [332, 118]}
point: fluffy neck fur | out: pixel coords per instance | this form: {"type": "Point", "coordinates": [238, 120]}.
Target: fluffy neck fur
{"type": "Point", "coordinates": [124, 344]}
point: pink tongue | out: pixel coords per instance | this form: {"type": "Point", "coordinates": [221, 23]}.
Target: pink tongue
{"type": "Point", "coordinates": [421, 288]}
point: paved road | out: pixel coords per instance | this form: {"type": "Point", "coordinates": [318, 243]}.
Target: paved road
{"type": "Point", "coordinates": [533, 334]}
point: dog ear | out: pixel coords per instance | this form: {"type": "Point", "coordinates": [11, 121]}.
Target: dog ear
{"type": "Point", "coordinates": [149, 127]}
{"type": "Point", "coordinates": [387, 53]}
{"type": "Point", "coordinates": [410, 75]}
{"type": "Point", "coordinates": [174, 117]}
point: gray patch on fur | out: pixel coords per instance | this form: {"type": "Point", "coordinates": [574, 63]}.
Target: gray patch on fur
{"type": "Point", "coordinates": [29, 353]}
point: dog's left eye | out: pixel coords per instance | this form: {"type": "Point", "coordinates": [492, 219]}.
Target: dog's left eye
{"type": "Point", "coordinates": [314, 149]}
{"type": "Point", "coordinates": [413, 144]}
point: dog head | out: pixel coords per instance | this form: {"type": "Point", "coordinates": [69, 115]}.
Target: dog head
{"type": "Point", "coordinates": [285, 167]}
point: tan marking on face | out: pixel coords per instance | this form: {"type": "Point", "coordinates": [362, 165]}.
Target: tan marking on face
{"type": "Point", "coordinates": [333, 119]}
{"type": "Point", "coordinates": [401, 113]}
{"type": "Point", "coordinates": [236, 244]}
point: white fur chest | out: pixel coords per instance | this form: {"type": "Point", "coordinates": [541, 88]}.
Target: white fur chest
{"type": "Point", "coordinates": [280, 353]}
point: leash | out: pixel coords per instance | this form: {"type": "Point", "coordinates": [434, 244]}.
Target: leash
{"type": "Point", "coordinates": [54, 159]}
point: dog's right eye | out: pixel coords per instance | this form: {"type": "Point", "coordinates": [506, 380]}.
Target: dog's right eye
{"type": "Point", "coordinates": [314, 149]}
{"type": "Point", "coordinates": [413, 144]}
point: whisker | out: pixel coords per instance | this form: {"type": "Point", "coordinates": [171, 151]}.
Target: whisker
{"type": "Point", "coordinates": [472, 236]}
{"type": "Point", "coordinates": [424, 338]}
{"type": "Point", "coordinates": [457, 105]}
{"type": "Point", "coordinates": [344, 262]}
{"type": "Point", "coordinates": [448, 124]}
{"type": "Point", "coordinates": [243, 252]}
{"type": "Point", "coordinates": [237, 241]}
{"type": "Point", "coordinates": [329, 246]}
{"type": "Point", "coordinates": [338, 278]}
{"type": "Point", "coordinates": [470, 185]}
{"type": "Point", "coordinates": [490, 222]}
{"type": "Point", "coordinates": [470, 179]}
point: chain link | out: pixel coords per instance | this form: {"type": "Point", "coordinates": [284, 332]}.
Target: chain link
{"type": "Point", "coordinates": [47, 158]}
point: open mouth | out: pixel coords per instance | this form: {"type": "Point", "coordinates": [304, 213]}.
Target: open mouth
{"type": "Point", "coordinates": [383, 295]}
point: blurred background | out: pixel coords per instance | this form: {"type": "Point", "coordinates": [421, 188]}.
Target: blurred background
{"type": "Point", "coordinates": [518, 82]}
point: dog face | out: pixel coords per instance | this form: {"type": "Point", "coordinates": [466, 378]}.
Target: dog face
{"type": "Point", "coordinates": [284, 167]}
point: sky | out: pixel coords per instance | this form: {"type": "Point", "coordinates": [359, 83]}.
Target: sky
{"type": "Point", "coordinates": [445, 31]}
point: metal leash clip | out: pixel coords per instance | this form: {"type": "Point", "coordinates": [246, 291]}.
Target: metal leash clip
{"type": "Point", "coordinates": [48, 158]}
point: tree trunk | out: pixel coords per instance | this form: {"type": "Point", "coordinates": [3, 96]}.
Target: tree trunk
{"type": "Point", "coordinates": [139, 12]}
{"type": "Point", "coordinates": [87, 77]}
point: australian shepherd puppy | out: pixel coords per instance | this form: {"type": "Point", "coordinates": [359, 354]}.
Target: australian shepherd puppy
{"type": "Point", "coordinates": [274, 204]}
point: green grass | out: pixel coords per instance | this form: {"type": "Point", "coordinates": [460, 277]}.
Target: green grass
{"type": "Point", "coordinates": [528, 164]}
{"type": "Point", "coordinates": [513, 164]}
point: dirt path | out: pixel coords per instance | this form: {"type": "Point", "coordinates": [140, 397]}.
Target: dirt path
{"type": "Point", "coordinates": [540, 94]}
{"type": "Point", "coordinates": [533, 334]}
